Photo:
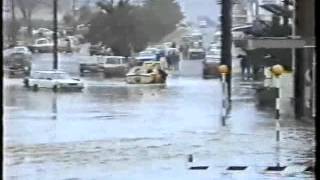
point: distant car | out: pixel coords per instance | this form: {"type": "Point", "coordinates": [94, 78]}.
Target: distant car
{"type": "Point", "coordinates": [90, 64]}
{"type": "Point", "coordinates": [114, 66]}
{"type": "Point", "coordinates": [97, 49]}
{"type": "Point", "coordinates": [146, 56]}
{"type": "Point", "coordinates": [53, 80]}
{"type": "Point", "coordinates": [69, 44]}
{"type": "Point", "coordinates": [42, 45]}
{"type": "Point", "coordinates": [43, 32]}
{"type": "Point", "coordinates": [196, 54]}
{"type": "Point", "coordinates": [203, 24]}
{"type": "Point", "coordinates": [211, 64]}
{"type": "Point", "coordinates": [17, 60]}
{"type": "Point", "coordinates": [153, 50]}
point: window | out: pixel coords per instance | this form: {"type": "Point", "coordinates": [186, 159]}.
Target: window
{"type": "Point", "coordinates": [113, 61]}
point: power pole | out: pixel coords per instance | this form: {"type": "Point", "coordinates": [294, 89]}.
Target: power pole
{"type": "Point", "coordinates": [13, 23]}
{"type": "Point", "coordinates": [226, 44]}
{"type": "Point", "coordinates": [55, 34]}
{"type": "Point", "coordinates": [74, 14]}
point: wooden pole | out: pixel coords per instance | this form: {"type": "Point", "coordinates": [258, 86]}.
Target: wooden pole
{"type": "Point", "coordinates": [55, 35]}
{"type": "Point", "coordinates": [226, 24]}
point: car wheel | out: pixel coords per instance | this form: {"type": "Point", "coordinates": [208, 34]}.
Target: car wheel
{"type": "Point", "coordinates": [55, 88]}
{"type": "Point", "coordinates": [35, 87]}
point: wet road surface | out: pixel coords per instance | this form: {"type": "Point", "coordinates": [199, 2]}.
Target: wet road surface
{"type": "Point", "coordinates": [112, 130]}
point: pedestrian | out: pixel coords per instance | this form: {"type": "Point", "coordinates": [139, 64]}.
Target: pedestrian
{"type": "Point", "coordinates": [173, 45]}
{"type": "Point", "coordinates": [242, 64]}
{"type": "Point", "coordinates": [175, 59]}
{"type": "Point", "coordinates": [163, 63]}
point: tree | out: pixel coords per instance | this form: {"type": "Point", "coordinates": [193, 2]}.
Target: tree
{"type": "Point", "coordinates": [68, 19]}
{"type": "Point", "coordinates": [123, 26]}
{"type": "Point", "coordinates": [85, 14]}
{"type": "Point", "coordinates": [165, 13]}
{"type": "Point", "coordinates": [27, 8]}
{"type": "Point", "coordinates": [117, 27]}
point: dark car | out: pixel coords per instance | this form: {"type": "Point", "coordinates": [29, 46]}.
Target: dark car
{"type": "Point", "coordinates": [97, 49]}
{"type": "Point", "coordinates": [197, 54]}
{"type": "Point", "coordinates": [18, 61]}
{"type": "Point", "coordinates": [211, 64]}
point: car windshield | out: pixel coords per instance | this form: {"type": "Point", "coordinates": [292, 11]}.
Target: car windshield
{"type": "Point", "coordinates": [196, 37]}
{"type": "Point", "coordinates": [146, 53]}
{"type": "Point", "coordinates": [213, 53]}
{"type": "Point", "coordinates": [113, 61]}
{"type": "Point", "coordinates": [20, 49]}
{"type": "Point", "coordinates": [42, 41]}
{"type": "Point", "coordinates": [211, 59]}
{"type": "Point", "coordinates": [43, 75]}
{"type": "Point", "coordinates": [60, 76]}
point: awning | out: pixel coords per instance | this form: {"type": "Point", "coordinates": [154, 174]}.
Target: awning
{"type": "Point", "coordinates": [277, 10]}
{"type": "Point", "coordinates": [242, 28]}
{"type": "Point", "coordinates": [270, 43]}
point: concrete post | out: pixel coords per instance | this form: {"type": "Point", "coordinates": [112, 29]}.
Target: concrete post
{"type": "Point", "coordinates": [224, 99]}
{"type": "Point", "coordinates": [314, 75]}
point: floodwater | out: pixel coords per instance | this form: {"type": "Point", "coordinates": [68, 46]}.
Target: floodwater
{"type": "Point", "coordinates": [112, 130]}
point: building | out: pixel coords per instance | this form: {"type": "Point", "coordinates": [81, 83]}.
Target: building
{"type": "Point", "coordinates": [302, 45]}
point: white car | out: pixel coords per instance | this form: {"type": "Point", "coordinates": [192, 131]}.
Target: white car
{"type": "Point", "coordinates": [42, 45]}
{"type": "Point", "coordinates": [52, 79]}
{"type": "Point", "coordinates": [44, 31]}
{"type": "Point", "coordinates": [114, 66]}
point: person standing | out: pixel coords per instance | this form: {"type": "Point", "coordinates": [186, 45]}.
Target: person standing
{"type": "Point", "coordinates": [169, 60]}
{"type": "Point", "coordinates": [245, 67]}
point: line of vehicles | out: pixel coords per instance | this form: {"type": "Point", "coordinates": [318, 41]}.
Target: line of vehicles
{"type": "Point", "coordinates": [144, 68]}
{"type": "Point", "coordinates": [138, 70]}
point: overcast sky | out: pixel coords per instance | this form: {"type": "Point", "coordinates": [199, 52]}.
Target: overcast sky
{"type": "Point", "coordinates": [191, 8]}
{"type": "Point", "coordinates": [194, 8]}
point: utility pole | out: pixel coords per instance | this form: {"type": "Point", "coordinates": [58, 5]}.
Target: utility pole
{"type": "Point", "coordinates": [226, 44]}
{"type": "Point", "coordinates": [13, 23]}
{"type": "Point", "coordinates": [55, 34]}
{"type": "Point", "coordinates": [74, 14]}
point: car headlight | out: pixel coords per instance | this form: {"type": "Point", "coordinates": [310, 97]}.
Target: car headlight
{"type": "Point", "coordinates": [26, 68]}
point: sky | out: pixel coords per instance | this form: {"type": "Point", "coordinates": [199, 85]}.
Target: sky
{"type": "Point", "coordinates": [191, 8]}
{"type": "Point", "coordinates": [194, 8]}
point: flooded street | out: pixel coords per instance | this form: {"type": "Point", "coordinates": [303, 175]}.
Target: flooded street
{"type": "Point", "coordinates": [112, 130]}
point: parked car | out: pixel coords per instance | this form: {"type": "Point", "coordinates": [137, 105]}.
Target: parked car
{"type": "Point", "coordinates": [17, 60]}
{"type": "Point", "coordinates": [53, 80]}
{"type": "Point", "coordinates": [42, 45]}
{"type": "Point", "coordinates": [211, 64]}
{"type": "Point", "coordinates": [98, 49]}
{"type": "Point", "coordinates": [69, 44]}
{"type": "Point", "coordinates": [146, 56]}
{"type": "Point", "coordinates": [90, 64]}
{"type": "Point", "coordinates": [44, 32]}
{"type": "Point", "coordinates": [114, 66]}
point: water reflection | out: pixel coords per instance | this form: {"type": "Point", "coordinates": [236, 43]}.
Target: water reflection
{"type": "Point", "coordinates": [54, 107]}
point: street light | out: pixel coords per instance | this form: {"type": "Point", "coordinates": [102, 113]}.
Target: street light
{"type": "Point", "coordinates": [277, 70]}
{"type": "Point", "coordinates": [224, 70]}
